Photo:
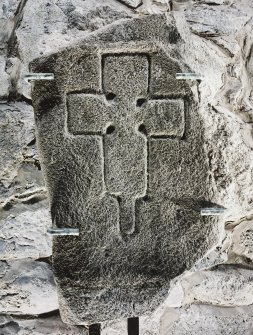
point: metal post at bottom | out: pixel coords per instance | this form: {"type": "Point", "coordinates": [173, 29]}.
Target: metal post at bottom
{"type": "Point", "coordinates": [95, 329]}
{"type": "Point", "coordinates": [133, 326]}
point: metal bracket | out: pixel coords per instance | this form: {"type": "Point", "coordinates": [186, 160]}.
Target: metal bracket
{"type": "Point", "coordinates": [63, 231]}
{"type": "Point", "coordinates": [39, 76]}
{"type": "Point", "coordinates": [208, 211]}
{"type": "Point", "coordinates": [189, 76]}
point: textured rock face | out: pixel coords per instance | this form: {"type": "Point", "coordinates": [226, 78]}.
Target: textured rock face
{"type": "Point", "coordinates": [124, 162]}
{"type": "Point", "coordinates": [214, 39]}
{"type": "Point", "coordinates": [4, 89]}
{"type": "Point", "coordinates": [24, 234]}
{"type": "Point", "coordinates": [17, 132]}
{"type": "Point", "coordinates": [208, 320]}
{"type": "Point", "coordinates": [37, 326]}
{"type": "Point", "coordinates": [226, 286]}
{"type": "Point", "coordinates": [24, 211]}
{"type": "Point", "coordinates": [27, 287]}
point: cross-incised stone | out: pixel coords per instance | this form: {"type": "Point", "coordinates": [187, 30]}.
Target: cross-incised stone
{"type": "Point", "coordinates": [126, 116]}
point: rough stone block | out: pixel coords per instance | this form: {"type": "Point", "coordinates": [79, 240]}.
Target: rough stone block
{"type": "Point", "coordinates": [114, 327]}
{"type": "Point", "coordinates": [19, 166]}
{"type": "Point", "coordinates": [211, 320]}
{"type": "Point", "coordinates": [242, 241]}
{"type": "Point", "coordinates": [5, 80]}
{"type": "Point", "coordinates": [52, 325]}
{"type": "Point", "coordinates": [27, 287]}
{"type": "Point", "coordinates": [227, 285]}
{"type": "Point", "coordinates": [132, 3]}
{"type": "Point", "coordinates": [23, 232]}
{"type": "Point", "coordinates": [123, 157]}
{"type": "Point", "coordinates": [7, 12]}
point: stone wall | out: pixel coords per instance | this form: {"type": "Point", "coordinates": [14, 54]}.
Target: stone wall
{"type": "Point", "coordinates": [215, 295]}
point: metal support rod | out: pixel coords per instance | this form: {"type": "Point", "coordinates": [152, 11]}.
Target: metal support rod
{"type": "Point", "coordinates": [133, 326]}
{"type": "Point", "coordinates": [39, 76]}
{"type": "Point", "coordinates": [63, 231]}
{"type": "Point", "coordinates": [189, 76]}
{"type": "Point", "coordinates": [212, 211]}
{"type": "Point", "coordinates": [95, 329]}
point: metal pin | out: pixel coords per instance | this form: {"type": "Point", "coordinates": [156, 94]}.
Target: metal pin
{"type": "Point", "coordinates": [189, 76]}
{"type": "Point", "coordinates": [39, 76]}
{"type": "Point", "coordinates": [212, 211]}
{"type": "Point", "coordinates": [63, 231]}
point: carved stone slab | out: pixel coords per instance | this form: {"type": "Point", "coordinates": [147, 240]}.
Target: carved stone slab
{"type": "Point", "coordinates": [121, 144]}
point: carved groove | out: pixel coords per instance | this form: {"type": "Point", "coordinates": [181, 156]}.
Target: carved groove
{"type": "Point", "coordinates": [126, 77]}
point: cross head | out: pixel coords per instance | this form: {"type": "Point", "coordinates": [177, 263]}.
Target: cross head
{"type": "Point", "coordinates": [126, 116]}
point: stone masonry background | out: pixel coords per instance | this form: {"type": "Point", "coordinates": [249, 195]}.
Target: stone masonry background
{"type": "Point", "coordinates": [216, 295]}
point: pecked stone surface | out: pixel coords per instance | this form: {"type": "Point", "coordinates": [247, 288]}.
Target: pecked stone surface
{"type": "Point", "coordinates": [140, 226]}
{"type": "Point", "coordinates": [27, 287]}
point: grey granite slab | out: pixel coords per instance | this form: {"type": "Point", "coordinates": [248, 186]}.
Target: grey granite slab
{"type": "Point", "coordinates": [121, 144]}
